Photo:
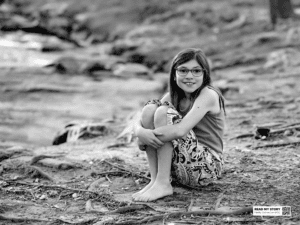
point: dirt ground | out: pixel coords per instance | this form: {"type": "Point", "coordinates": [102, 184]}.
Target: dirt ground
{"type": "Point", "coordinates": [91, 181]}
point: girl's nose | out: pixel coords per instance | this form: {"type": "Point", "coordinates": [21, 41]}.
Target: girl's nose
{"type": "Point", "coordinates": [189, 75]}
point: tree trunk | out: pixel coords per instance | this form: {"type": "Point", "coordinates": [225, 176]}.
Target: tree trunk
{"type": "Point", "coordinates": [285, 8]}
{"type": "Point", "coordinates": [273, 11]}
{"type": "Point", "coordinates": [280, 8]}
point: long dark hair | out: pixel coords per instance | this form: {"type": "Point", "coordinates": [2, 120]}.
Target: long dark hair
{"type": "Point", "coordinates": [176, 93]}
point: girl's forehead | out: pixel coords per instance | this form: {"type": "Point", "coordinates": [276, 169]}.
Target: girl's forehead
{"type": "Point", "coordinates": [192, 63]}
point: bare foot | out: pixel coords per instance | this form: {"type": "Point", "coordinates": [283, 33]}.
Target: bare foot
{"type": "Point", "coordinates": [158, 190]}
{"type": "Point", "coordinates": [148, 186]}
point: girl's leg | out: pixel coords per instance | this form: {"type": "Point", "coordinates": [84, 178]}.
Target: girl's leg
{"type": "Point", "coordinates": [147, 120]}
{"type": "Point", "coordinates": [161, 186]}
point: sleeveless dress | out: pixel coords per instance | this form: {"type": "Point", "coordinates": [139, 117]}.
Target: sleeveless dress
{"type": "Point", "coordinates": [197, 159]}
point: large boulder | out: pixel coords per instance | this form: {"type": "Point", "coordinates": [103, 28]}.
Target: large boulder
{"type": "Point", "coordinates": [80, 130]}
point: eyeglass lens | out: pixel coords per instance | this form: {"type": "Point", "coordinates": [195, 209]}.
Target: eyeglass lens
{"type": "Point", "coordinates": [184, 71]}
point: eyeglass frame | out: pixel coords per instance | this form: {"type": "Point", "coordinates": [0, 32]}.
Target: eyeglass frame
{"type": "Point", "coordinates": [190, 70]}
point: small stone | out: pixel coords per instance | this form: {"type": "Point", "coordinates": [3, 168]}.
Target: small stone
{"type": "Point", "coordinates": [53, 193]}
{"type": "Point", "coordinates": [138, 181]}
{"type": "Point", "coordinates": [288, 133]}
{"type": "Point", "coordinates": [74, 195]}
{"type": "Point", "coordinates": [3, 184]}
{"type": "Point", "coordinates": [43, 197]}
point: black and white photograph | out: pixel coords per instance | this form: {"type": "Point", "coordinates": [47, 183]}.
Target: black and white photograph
{"type": "Point", "coordinates": [158, 112]}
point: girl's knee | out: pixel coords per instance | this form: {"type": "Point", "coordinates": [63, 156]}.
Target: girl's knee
{"type": "Point", "coordinates": [147, 116]}
{"type": "Point", "coordinates": [160, 116]}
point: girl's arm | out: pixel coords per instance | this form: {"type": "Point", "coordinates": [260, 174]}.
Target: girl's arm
{"type": "Point", "coordinates": [207, 101]}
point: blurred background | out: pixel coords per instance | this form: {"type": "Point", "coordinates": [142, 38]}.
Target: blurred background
{"type": "Point", "coordinates": [97, 60]}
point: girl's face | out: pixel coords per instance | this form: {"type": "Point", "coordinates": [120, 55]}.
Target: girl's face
{"type": "Point", "coordinates": [189, 83]}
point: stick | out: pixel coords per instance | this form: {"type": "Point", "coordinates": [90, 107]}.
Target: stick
{"type": "Point", "coordinates": [117, 145]}
{"type": "Point", "coordinates": [49, 186]}
{"type": "Point", "coordinates": [147, 205]}
{"type": "Point", "coordinates": [42, 173]}
{"type": "Point", "coordinates": [219, 199]}
{"type": "Point", "coordinates": [19, 219]}
{"type": "Point", "coordinates": [90, 208]}
{"type": "Point", "coordinates": [83, 222]}
{"type": "Point", "coordinates": [242, 136]}
{"type": "Point", "coordinates": [126, 209]}
{"type": "Point", "coordinates": [44, 30]}
{"type": "Point", "coordinates": [190, 206]}
{"type": "Point", "coordinates": [243, 220]}
{"type": "Point", "coordinates": [108, 173]}
{"type": "Point", "coordinates": [277, 144]}
{"type": "Point", "coordinates": [287, 127]}
{"type": "Point", "coordinates": [133, 173]}
{"type": "Point", "coordinates": [108, 179]}
{"type": "Point", "coordinates": [180, 214]}
{"type": "Point", "coordinates": [37, 158]}
{"type": "Point", "coordinates": [131, 208]}
{"type": "Point", "coordinates": [284, 129]}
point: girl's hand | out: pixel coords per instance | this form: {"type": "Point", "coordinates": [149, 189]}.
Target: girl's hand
{"type": "Point", "coordinates": [149, 137]}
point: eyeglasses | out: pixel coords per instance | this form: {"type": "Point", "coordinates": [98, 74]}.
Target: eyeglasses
{"type": "Point", "coordinates": [184, 71]}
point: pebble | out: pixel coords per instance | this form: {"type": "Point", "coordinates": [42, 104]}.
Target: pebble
{"type": "Point", "coordinates": [43, 197]}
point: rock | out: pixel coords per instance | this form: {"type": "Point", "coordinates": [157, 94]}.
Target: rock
{"type": "Point", "coordinates": [288, 133]}
{"type": "Point", "coordinates": [43, 197]}
{"type": "Point", "coordinates": [163, 17]}
{"type": "Point", "coordinates": [123, 46]}
{"type": "Point", "coordinates": [261, 39]}
{"type": "Point", "coordinates": [93, 66]}
{"type": "Point", "coordinates": [224, 86]}
{"type": "Point", "coordinates": [13, 151]}
{"type": "Point", "coordinates": [130, 70]}
{"type": "Point", "coordinates": [55, 44]}
{"type": "Point", "coordinates": [80, 130]}
{"type": "Point", "coordinates": [57, 164]}
{"type": "Point", "coordinates": [102, 25]}
{"type": "Point", "coordinates": [5, 155]}
{"type": "Point", "coordinates": [110, 61]}
{"type": "Point", "coordinates": [15, 22]}
{"type": "Point", "coordinates": [162, 78]}
{"type": "Point", "coordinates": [6, 8]}
{"type": "Point", "coordinates": [239, 3]}
{"type": "Point", "coordinates": [238, 23]}
{"type": "Point", "coordinates": [54, 9]}
{"type": "Point", "coordinates": [293, 36]}
{"type": "Point", "coordinates": [147, 31]}
{"type": "Point", "coordinates": [59, 25]}
{"type": "Point", "coordinates": [67, 65]}
{"type": "Point", "coordinates": [182, 26]}
{"type": "Point", "coordinates": [282, 58]}
{"type": "Point", "coordinates": [134, 57]}
{"type": "Point", "coordinates": [17, 149]}
{"type": "Point", "coordinates": [98, 184]}
{"type": "Point", "coordinates": [74, 195]}
{"type": "Point", "coordinates": [245, 59]}
{"type": "Point", "coordinates": [229, 16]}
{"type": "Point", "coordinates": [155, 60]}
{"type": "Point", "coordinates": [262, 133]}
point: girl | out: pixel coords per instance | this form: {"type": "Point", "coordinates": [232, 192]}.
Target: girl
{"type": "Point", "coordinates": [182, 133]}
